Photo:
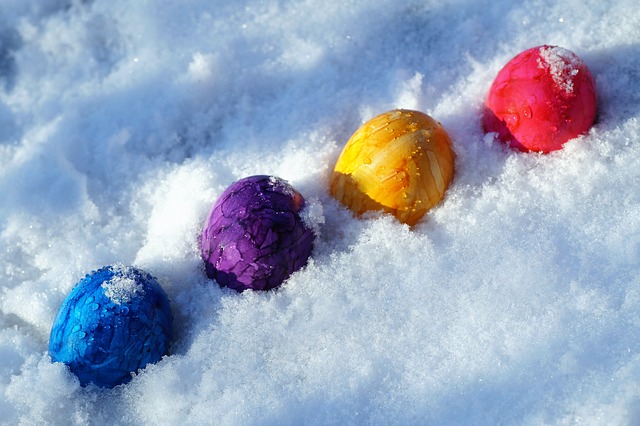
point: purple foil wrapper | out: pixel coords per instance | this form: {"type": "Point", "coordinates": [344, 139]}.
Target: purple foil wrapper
{"type": "Point", "coordinates": [254, 237]}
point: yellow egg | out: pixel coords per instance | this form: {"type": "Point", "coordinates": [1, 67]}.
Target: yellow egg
{"type": "Point", "coordinates": [400, 162]}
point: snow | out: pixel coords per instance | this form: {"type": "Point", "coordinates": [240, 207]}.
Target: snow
{"type": "Point", "coordinates": [563, 65]}
{"type": "Point", "coordinates": [122, 287]}
{"type": "Point", "coordinates": [515, 301]}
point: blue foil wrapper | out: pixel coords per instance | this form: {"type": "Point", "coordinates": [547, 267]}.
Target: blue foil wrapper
{"type": "Point", "coordinates": [114, 322]}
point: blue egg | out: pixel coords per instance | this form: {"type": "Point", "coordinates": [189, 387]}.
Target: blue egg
{"type": "Point", "coordinates": [114, 322]}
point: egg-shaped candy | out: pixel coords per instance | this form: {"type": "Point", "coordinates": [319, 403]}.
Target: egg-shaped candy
{"type": "Point", "coordinates": [254, 237]}
{"type": "Point", "coordinates": [400, 162]}
{"type": "Point", "coordinates": [542, 98]}
{"type": "Point", "coordinates": [115, 321]}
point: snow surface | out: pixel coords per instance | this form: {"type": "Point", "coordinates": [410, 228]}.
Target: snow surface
{"type": "Point", "coordinates": [516, 301]}
{"type": "Point", "coordinates": [563, 65]}
{"type": "Point", "coordinates": [122, 287]}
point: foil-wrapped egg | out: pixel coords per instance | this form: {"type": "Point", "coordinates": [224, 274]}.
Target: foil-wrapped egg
{"type": "Point", "coordinates": [254, 237]}
{"type": "Point", "coordinates": [400, 162]}
{"type": "Point", "coordinates": [115, 321]}
{"type": "Point", "coordinates": [540, 99]}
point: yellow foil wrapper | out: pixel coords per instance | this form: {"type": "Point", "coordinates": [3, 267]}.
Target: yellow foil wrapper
{"type": "Point", "coordinates": [400, 162]}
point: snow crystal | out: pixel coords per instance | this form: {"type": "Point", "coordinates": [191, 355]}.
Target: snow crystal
{"type": "Point", "coordinates": [123, 287]}
{"type": "Point", "coordinates": [563, 65]}
{"type": "Point", "coordinates": [312, 214]}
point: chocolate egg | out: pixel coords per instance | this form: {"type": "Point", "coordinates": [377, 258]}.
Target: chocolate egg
{"type": "Point", "coordinates": [114, 322]}
{"type": "Point", "coordinates": [541, 99]}
{"type": "Point", "coordinates": [400, 162]}
{"type": "Point", "coordinates": [254, 237]}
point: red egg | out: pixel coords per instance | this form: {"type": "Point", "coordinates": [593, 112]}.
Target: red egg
{"type": "Point", "coordinates": [542, 98]}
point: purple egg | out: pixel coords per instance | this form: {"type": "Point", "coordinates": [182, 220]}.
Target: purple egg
{"type": "Point", "coordinates": [254, 237]}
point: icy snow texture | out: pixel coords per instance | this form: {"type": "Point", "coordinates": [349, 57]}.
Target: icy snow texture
{"type": "Point", "coordinates": [563, 65]}
{"type": "Point", "coordinates": [123, 287]}
{"type": "Point", "coordinates": [515, 301]}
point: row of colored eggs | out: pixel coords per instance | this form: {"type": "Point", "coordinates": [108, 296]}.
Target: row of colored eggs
{"type": "Point", "coordinates": [118, 319]}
